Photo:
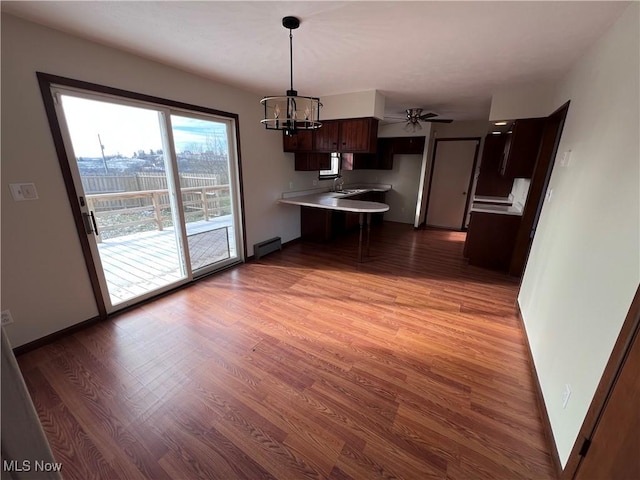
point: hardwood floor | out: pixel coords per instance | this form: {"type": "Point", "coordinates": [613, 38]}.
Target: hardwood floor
{"type": "Point", "coordinates": [304, 364]}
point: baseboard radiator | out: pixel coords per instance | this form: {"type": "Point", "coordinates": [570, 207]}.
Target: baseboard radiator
{"type": "Point", "coordinates": [263, 248]}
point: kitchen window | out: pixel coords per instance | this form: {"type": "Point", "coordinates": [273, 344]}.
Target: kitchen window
{"type": "Point", "coordinates": [334, 171]}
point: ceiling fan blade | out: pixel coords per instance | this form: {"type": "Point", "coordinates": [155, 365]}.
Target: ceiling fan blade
{"type": "Point", "coordinates": [438, 120]}
{"type": "Point", "coordinates": [428, 115]}
{"type": "Point", "coordinates": [393, 122]}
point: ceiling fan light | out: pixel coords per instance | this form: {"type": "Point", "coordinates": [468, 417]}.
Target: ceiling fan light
{"type": "Point", "coordinates": [411, 127]}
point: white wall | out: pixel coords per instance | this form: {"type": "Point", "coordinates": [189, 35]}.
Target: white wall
{"type": "Point", "coordinates": [584, 266]}
{"type": "Point", "coordinates": [44, 278]}
{"type": "Point", "coordinates": [353, 105]}
{"type": "Point", "coordinates": [526, 101]}
{"type": "Point", "coordinates": [404, 177]}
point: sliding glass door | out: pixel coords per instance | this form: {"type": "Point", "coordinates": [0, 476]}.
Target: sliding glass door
{"type": "Point", "coordinates": [207, 184]}
{"type": "Point", "coordinates": [157, 189]}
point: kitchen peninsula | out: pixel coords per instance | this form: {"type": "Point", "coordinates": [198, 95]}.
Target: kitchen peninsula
{"type": "Point", "coordinates": [321, 211]}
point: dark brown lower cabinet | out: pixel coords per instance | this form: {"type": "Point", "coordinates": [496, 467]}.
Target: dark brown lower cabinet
{"type": "Point", "coordinates": [316, 224]}
{"type": "Point", "coordinates": [319, 225]}
{"type": "Point", "coordinates": [491, 239]}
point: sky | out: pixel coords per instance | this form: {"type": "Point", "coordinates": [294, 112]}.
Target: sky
{"type": "Point", "coordinates": [125, 130]}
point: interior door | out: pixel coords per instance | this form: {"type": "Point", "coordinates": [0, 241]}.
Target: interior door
{"type": "Point", "coordinates": [450, 183]}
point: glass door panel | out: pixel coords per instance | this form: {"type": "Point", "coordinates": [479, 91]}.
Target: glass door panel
{"type": "Point", "coordinates": [122, 173]}
{"type": "Point", "coordinates": [206, 171]}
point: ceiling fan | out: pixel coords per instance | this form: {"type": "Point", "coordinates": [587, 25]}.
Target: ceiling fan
{"type": "Point", "coordinates": [414, 117]}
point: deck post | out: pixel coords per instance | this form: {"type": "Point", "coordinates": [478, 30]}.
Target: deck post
{"type": "Point", "coordinates": [156, 209]}
{"type": "Point", "coordinates": [205, 207]}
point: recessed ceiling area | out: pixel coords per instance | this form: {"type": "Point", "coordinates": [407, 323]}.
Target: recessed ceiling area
{"type": "Point", "coordinates": [445, 57]}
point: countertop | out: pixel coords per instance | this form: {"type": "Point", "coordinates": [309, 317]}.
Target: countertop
{"type": "Point", "coordinates": [497, 209]}
{"type": "Point", "coordinates": [486, 199]}
{"type": "Point", "coordinates": [339, 200]}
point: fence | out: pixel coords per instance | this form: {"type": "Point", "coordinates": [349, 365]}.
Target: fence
{"type": "Point", "coordinates": [100, 184]}
{"type": "Point", "coordinates": [129, 211]}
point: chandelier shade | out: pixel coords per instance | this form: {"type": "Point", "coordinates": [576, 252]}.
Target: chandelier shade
{"type": "Point", "coordinates": [291, 112]}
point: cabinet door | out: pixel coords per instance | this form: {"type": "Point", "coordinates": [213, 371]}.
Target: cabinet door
{"type": "Point", "coordinates": [359, 161]}
{"type": "Point", "coordinates": [312, 161]}
{"type": "Point", "coordinates": [358, 135]}
{"type": "Point", "coordinates": [490, 182]}
{"type": "Point", "coordinates": [490, 240]}
{"type": "Point", "coordinates": [326, 137]}
{"type": "Point", "coordinates": [386, 149]}
{"type": "Point", "coordinates": [521, 151]}
{"type": "Point", "coordinates": [408, 145]}
{"type": "Point", "coordinates": [315, 224]}
{"type": "Point", "coordinates": [302, 141]}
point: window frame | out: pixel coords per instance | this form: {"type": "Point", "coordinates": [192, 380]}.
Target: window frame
{"type": "Point", "coordinates": [334, 170]}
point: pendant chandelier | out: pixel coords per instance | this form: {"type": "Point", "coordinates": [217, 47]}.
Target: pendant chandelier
{"type": "Point", "coordinates": [291, 112]}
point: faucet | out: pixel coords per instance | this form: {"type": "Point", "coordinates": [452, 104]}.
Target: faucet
{"type": "Point", "coordinates": [338, 182]}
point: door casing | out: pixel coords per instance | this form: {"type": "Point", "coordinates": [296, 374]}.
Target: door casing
{"type": "Point", "coordinates": [46, 82]}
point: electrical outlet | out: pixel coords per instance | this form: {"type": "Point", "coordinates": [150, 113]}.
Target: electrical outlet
{"type": "Point", "coordinates": [565, 395]}
{"type": "Point", "coordinates": [290, 185]}
{"type": "Point", "coordinates": [6, 317]}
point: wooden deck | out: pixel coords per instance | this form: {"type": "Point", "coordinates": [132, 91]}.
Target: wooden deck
{"type": "Point", "coordinates": [304, 364]}
{"type": "Point", "coordinates": [136, 264]}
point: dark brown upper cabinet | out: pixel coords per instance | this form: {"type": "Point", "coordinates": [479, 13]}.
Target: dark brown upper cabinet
{"type": "Point", "coordinates": [302, 141]}
{"type": "Point", "coordinates": [521, 148]}
{"type": "Point", "coordinates": [490, 182]}
{"type": "Point", "coordinates": [357, 135]}
{"type": "Point", "coordinates": [312, 161]}
{"type": "Point", "coordinates": [326, 138]}
{"type": "Point", "coordinates": [383, 158]}
{"type": "Point", "coordinates": [408, 145]}
{"type": "Point", "coordinates": [359, 161]}
{"type": "Point", "coordinates": [390, 146]}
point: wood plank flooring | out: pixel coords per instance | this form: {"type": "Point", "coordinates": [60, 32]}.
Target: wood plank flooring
{"type": "Point", "coordinates": [304, 364]}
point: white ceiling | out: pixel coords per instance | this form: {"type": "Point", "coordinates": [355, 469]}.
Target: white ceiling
{"type": "Point", "coordinates": [446, 57]}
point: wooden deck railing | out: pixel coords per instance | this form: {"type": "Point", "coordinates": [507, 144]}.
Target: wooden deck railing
{"type": "Point", "coordinates": [212, 201]}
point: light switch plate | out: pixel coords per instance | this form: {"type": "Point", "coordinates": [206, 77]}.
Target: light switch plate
{"type": "Point", "coordinates": [6, 317]}
{"type": "Point", "coordinates": [23, 191]}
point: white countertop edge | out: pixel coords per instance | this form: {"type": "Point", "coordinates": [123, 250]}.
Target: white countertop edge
{"type": "Point", "coordinates": [372, 187]}
{"type": "Point", "coordinates": [368, 187]}
{"type": "Point", "coordinates": [483, 198]}
{"type": "Point", "coordinates": [498, 210]}
{"type": "Point", "coordinates": [328, 202]}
